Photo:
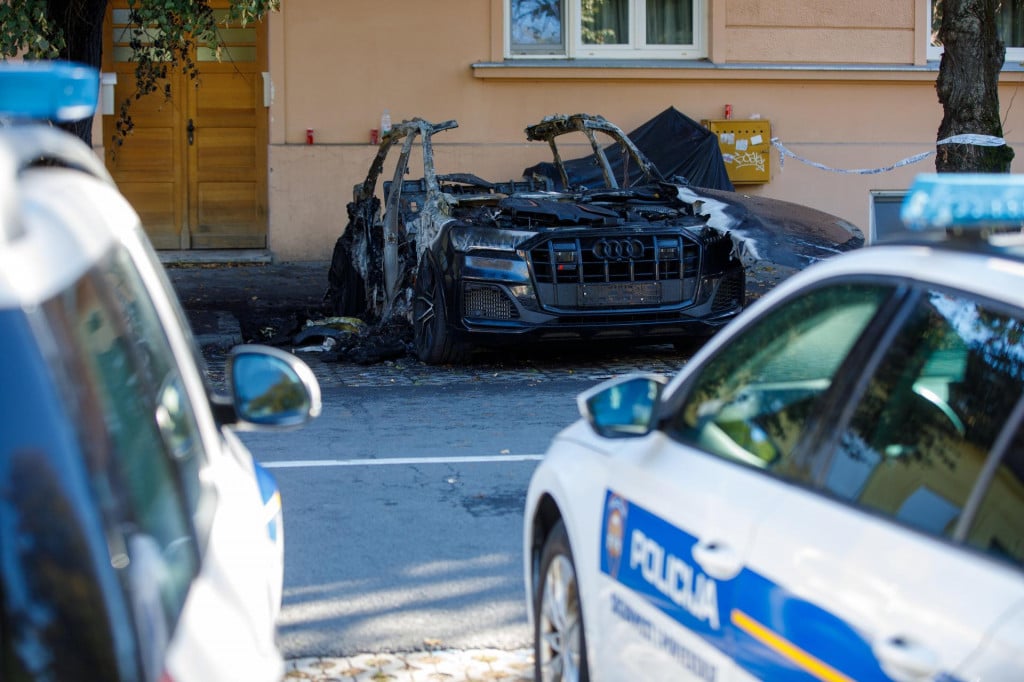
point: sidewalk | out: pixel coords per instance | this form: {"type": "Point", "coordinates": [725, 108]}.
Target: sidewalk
{"type": "Point", "coordinates": [228, 303]}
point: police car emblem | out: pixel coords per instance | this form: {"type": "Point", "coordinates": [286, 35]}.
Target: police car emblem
{"type": "Point", "coordinates": [616, 510]}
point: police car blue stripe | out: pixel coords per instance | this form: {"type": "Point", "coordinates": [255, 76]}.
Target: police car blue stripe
{"type": "Point", "coordinates": [800, 624]}
{"type": "Point", "coordinates": [767, 630]}
{"type": "Point", "coordinates": [789, 651]}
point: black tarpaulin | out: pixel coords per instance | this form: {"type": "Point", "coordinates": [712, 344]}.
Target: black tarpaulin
{"type": "Point", "coordinates": [676, 144]}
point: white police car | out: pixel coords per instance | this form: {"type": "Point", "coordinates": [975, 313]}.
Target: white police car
{"type": "Point", "coordinates": [138, 538]}
{"type": "Point", "coordinates": [831, 489]}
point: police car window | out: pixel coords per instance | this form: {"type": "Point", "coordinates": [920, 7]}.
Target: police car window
{"type": "Point", "coordinates": [133, 476]}
{"type": "Point", "coordinates": [155, 360]}
{"type": "Point", "coordinates": [998, 525]}
{"type": "Point", "coordinates": [60, 614]}
{"type": "Point", "coordinates": [751, 403]}
{"type": "Point", "coordinates": [921, 432]}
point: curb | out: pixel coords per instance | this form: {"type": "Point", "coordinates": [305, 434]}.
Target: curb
{"type": "Point", "coordinates": [423, 666]}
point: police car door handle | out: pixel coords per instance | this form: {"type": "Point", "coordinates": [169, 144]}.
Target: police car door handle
{"type": "Point", "coordinates": [902, 658]}
{"type": "Point", "coordinates": [717, 559]}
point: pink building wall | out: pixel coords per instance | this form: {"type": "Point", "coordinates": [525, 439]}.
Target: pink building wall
{"type": "Point", "coordinates": [845, 85]}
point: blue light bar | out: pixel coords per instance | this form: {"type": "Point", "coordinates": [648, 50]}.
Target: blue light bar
{"type": "Point", "coordinates": [47, 90]}
{"type": "Point", "coordinates": [967, 200]}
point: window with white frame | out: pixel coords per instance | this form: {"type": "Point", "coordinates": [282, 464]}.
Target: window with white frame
{"type": "Point", "coordinates": [610, 29]}
{"type": "Point", "coordinates": [1009, 19]}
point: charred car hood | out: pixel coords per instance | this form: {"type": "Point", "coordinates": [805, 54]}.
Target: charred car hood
{"type": "Point", "coordinates": [778, 231]}
{"type": "Point", "coordinates": [531, 210]}
{"type": "Point", "coordinates": [774, 238]}
{"type": "Point", "coordinates": [765, 231]}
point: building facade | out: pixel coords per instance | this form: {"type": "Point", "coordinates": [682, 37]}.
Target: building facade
{"type": "Point", "coordinates": [265, 152]}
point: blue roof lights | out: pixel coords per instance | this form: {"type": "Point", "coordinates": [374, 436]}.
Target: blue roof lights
{"type": "Point", "coordinates": [964, 200]}
{"type": "Point", "coordinates": [46, 90]}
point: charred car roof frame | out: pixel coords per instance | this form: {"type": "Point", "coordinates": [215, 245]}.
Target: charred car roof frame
{"type": "Point", "coordinates": [552, 127]}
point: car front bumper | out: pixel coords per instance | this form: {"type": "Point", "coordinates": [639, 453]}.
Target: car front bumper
{"type": "Point", "coordinates": [493, 311]}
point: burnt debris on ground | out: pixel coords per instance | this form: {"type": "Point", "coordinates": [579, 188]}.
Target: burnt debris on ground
{"type": "Point", "coordinates": [282, 304]}
{"type": "Point", "coordinates": [279, 304]}
{"type": "Point", "coordinates": [350, 339]}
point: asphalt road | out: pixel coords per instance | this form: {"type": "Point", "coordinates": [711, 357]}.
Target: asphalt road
{"type": "Point", "coordinates": [403, 514]}
{"type": "Point", "coordinates": [403, 502]}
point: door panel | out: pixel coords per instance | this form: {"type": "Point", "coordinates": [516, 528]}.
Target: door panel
{"type": "Point", "coordinates": [226, 178]}
{"type": "Point", "coordinates": [204, 188]}
{"type": "Point", "coordinates": [156, 202]}
{"type": "Point", "coordinates": [149, 167]}
{"type": "Point", "coordinates": [670, 551]}
{"type": "Point", "coordinates": [916, 450]}
{"type": "Point", "coordinates": [226, 153]}
{"type": "Point", "coordinates": [748, 409]}
{"type": "Point", "coordinates": [872, 600]}
{"type": "Point", "coordinates": [226, 215]}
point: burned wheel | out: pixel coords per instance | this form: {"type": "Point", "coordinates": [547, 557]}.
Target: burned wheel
{"type": "Point", "coordinates": [346, 291]}
{"type": "Point", "coordinates": [431, 336]}
{"type": "Point", "coordinates": [559, 646]}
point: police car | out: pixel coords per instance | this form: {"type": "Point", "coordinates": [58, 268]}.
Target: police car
{"type": "Point", "coordinates": [831, 489]}
{"type": "Point", "coordinates": [139, 540]}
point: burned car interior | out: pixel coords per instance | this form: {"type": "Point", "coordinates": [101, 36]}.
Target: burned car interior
{"type": "Point", "coordinates": [453, 261]}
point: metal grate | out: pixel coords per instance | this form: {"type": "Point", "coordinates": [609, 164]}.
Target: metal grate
{"type": "Point", "coordinates": [729, 295]}
{"type": "Point", "coordinates": [615, 258]}
{"type": "Point", "coordinates": [487, 302]}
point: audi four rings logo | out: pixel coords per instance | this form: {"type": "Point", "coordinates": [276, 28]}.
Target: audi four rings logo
{"type": "Point", "coordinates": [618, 249]}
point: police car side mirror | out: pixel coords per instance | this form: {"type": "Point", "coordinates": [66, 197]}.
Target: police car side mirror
{"type": "Point", "coordinates": [624, 406]}
{"type": "Point", "coordinates": [270, 388]}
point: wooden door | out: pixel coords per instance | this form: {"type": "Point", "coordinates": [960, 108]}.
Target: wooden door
{"type": "Point", "coordinates": [195, 165]}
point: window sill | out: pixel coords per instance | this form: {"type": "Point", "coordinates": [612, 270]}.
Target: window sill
{"type": "Point", "coordinates": [684, 70]}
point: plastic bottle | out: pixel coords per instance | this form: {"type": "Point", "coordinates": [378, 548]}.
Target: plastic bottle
{"type": "Point", "coordinates": [385, 123]}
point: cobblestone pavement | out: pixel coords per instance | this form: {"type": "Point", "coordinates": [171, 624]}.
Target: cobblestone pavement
{"type": "Point", "coordinates": [592, 367]}
{"type": "Point", "coordinates": [424, 666]}
{"type": "Point", "coordinates": [410, 371]}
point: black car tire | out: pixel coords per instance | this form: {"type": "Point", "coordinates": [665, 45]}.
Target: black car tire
{"type": "Point", "coordinates": [346, 291]}
{"type": "Point", "coordinates": [431, 336]}
{"type": "Point", "coordinates": [559, 644]}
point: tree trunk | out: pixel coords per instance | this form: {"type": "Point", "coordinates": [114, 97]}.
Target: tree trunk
{"type": "Point", "coordinates": [968, 87]}
{"type": "Point", "coordinates": [82, 21]}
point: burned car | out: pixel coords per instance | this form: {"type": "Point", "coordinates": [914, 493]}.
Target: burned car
{"type": "Point", "coordinates": [463, 261]}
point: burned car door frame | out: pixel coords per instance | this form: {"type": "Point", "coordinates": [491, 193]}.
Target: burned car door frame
{"type": "Point", "coordinates": [375, 259]}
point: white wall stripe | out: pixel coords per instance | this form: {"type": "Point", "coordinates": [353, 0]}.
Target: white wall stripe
{"type": "Point", "coordinates": [397, 461]}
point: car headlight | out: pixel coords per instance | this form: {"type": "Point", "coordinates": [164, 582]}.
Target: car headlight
{"type": "Point", "coordinates": [467, 238]}
{"type": "Point", "coordinates": [492, 267]}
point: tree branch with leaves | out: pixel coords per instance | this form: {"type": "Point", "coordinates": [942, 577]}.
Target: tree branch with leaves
{"type": "Point", "coordinates": [161, 35]}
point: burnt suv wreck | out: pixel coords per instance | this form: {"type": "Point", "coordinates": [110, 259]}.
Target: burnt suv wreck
{"type": "Point", "coordinates": [465, 261]}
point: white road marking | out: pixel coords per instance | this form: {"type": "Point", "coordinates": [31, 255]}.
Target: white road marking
{"type": "Point", "coordinates": [392, 461]}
